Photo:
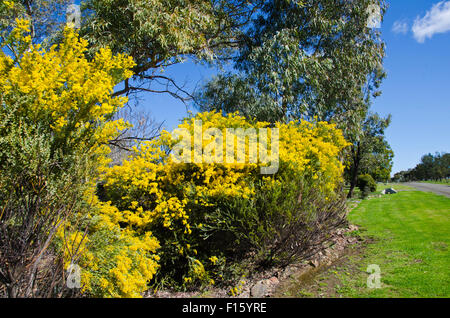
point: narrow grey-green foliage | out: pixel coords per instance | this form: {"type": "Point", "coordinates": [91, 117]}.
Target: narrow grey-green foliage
{"type": "Point", "coordinates": [39, 188]}
{"type": "Point", "coordinates": [161, 33]}
{"type": "Point", "coordinates": [306, 58]}
{"type": "Point", "coordinates": [379, 163]}
{"type": "Point", "coordinates": [234, 92]}
{"type": "Point", "coordinates": [46, 16]}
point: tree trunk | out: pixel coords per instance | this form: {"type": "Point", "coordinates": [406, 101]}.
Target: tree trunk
{"type": "Point", "coordinates": [354, 171]}
{"type": "Point", "coordinates": [352, 187]}
{"type": "Point", "coordinates": [11, 291]}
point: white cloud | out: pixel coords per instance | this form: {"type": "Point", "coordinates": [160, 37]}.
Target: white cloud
{"type": "Point", "coordinates": [400, 27]}
{"type": "Point", "coordinates": [437, 20]}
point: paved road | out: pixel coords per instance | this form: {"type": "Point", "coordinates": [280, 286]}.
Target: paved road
{"type": "Point", "coordinates": [430, 187]}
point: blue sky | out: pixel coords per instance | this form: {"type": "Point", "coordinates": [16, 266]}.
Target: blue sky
{"type": "Point", "coordinates": [416, 91]}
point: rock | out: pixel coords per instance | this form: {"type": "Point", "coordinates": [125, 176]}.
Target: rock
{"type": "Point", "coordinates": [389, 191]}
{"type": "Point", "coordinates": [259, 290]}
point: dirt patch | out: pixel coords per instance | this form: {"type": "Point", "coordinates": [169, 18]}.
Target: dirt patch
{"type": "Point", "coordinates": [325, 280]}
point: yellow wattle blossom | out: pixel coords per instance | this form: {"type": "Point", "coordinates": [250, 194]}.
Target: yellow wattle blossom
{"type": "Point", "coordinates": [70, 96]}
{"type": "Point", "coordinates": [9, 4]}
{"type": "Point", "coordinates": [176, 198]}
{"type": "Point", "coordinates": [213, 259]}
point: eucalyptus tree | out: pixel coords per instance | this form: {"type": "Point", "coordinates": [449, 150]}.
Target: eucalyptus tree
{"type": "Point", "coordinates": [161, 33]}
{"type": "Point", "coordinates": [379, 163]}
{"type": "Point", "coordinates": [431, 167]}
{"type": "Point", "coordinates": [303, 59]}
{"type": "Point", "coordinates": [158, 34]}
{"type": "Point", "coordinates": [369, 151]}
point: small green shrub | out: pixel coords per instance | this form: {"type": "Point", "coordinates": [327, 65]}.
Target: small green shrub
{"type": "Point", "coordinates": [366, 184]}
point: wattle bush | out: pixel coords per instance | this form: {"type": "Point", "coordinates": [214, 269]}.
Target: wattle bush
{"type": "Point", "coordinates": [56, 114]}
{"type": "Point", "coordinates": [207, 216]}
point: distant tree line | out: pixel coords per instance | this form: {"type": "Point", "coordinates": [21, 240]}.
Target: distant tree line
{"type": "Point", "coordinates": [431, 167]}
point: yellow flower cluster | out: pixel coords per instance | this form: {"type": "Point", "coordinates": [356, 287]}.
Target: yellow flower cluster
{"type": "Point", "coordinates": [237, 290]}
{"type": "Point", "coordinates": [61, 86]}
{"type": "Point", "coordinates": [153, 201]}
{"type": "Point", "coordinates": [69, 95]}
{"type": "Point", "coordinates": [8, 4]}
{"type": "Point", "coordinates": [313, 149]}
{"type": "Point", "coordinates": [213, 259]}
{"type": "Point", "coordinates": [115, 262]}
{"type": "Point", "coordinates": [151, 190]}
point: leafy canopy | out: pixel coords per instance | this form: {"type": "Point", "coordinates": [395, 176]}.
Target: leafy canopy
{"type": "Point", "coordinates": [302, 59]}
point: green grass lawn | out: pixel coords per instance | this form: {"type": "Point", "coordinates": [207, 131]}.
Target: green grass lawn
{"type": "Point", "coordinates": [380, 187]}
{"type": "Point", "coordinates": [445, 182]}
{"type": "Point", "coordinates": [411, 230]}
{"type": "Point", "coordinates": [409, 235]}
{"type": "Point", "coordinates": [396, 186]}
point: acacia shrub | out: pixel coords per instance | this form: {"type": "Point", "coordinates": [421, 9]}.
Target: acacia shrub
{"type": "Point", "coordinates": [208, 216]}
{"type": "Point", "coordinates": [56, 114]}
